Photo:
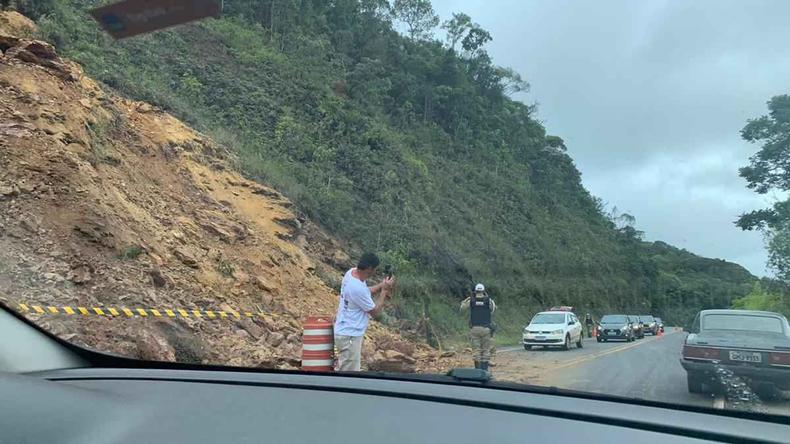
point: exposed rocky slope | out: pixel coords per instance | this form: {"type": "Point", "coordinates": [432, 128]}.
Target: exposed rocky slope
{"type": "Point", "coordinates": [107, 202]}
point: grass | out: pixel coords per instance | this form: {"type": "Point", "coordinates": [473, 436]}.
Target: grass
{"type": "Point", "coordinates": [131, 252]}
{"type": "Point", "coordinates": [225, 268]}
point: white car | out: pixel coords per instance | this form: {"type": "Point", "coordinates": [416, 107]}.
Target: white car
{"type": "Point", "coordinates": [553, 328]}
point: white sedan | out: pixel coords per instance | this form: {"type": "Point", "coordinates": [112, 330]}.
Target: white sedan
{"type": "Point", "coordinates": [553, 328]}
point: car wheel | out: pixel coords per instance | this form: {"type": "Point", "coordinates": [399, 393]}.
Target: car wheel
{"type": "Point", "coordinates": [579, 342]}
{"type": "Point", "coordinates": [599, 339]}
{"type": "Point", "coordinates": [567, 344]}
{"type": "Point", "coordinates": [695, 382]}
{"type": "Point", "coordinates": [527, 347]}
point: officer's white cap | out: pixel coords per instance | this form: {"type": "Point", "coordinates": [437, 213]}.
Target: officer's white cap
{"type": "Point", "coordinates": [480, 287]}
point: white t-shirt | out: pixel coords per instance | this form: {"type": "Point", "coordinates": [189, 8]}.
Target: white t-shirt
{"type": "Point", "coordinates": [355, 303]}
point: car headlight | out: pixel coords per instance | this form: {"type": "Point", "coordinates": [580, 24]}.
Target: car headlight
{"type": "Point", "coordinates": [599, 328]}
{"type": "Point", "coordinates": [557, 332]}
{"type": "Point", "coordinates": [624, 328]}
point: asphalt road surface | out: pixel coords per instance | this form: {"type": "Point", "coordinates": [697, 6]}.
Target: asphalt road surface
{"type": "Point", "coordinates": [647, 368]}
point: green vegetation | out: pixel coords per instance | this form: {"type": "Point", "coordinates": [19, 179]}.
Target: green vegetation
{"type": "Point", "coordinates": [769, 171]}
{"type": "Point", "coordinates": [404, 145]}
{"type": "Point", "coordinates": [225, 267]}
{"type": "Point", "coordinates": [766, 295]}
{"type": "Point", "coordinates": [131, 252]}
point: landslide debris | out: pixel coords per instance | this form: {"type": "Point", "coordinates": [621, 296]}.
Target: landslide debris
{"type": "Point", "coordinates": [109, 202]}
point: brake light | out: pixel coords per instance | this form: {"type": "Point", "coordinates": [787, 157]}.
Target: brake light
{"type": "Point", "coordinates": [777, 358]}
{"type": "Point", "coordinates": [690, 351]}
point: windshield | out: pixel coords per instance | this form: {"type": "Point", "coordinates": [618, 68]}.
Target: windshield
{"type": "Point", "coordinates": [548, 318]}
{"type": "Point", "coordinates": [744, 323]}
{"type": "Point", "coordinates": [397, 186]}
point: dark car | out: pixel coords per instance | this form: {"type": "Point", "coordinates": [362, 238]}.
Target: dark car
{"type": "Point", "coordinates": [636, 326]}
{"type": "Point", "coordinates": [615, 327]}
{"type": "Point", "coordinates": [649, 324]}
{"type": "Point", "coordinates": [754, 345]}
{"type": "Point", "coordinates": [660, 324]}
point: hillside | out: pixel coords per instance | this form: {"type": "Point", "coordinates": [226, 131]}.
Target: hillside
{"type": "Point", "coordinates": [108, 202]}
{"type": "Point", "coordinates": [403, 146]}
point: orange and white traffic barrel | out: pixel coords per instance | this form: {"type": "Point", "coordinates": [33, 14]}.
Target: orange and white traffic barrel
{"type": "Point", "coordinates": [318, 344]}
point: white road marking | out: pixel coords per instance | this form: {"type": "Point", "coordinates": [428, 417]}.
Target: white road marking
{"type": "Point", "coordinates": [718, 403]}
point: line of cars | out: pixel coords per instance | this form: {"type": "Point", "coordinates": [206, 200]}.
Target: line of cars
{"type": "Point", "coordinates": [560, 327]}
{"type": "Point", "coordinates": [627, 327]}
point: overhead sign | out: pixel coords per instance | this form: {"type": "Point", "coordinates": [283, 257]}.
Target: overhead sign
{"type": "Point", "coordinates": [133, 17]}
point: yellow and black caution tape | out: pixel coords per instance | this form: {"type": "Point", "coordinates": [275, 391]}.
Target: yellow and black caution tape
{"type": "Point", "coordinates": [125, 312]}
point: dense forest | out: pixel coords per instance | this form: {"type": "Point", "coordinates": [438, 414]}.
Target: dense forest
{"type": "Point", "coordinates": [399, 134]}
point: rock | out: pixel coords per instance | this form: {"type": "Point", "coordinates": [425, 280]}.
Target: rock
{"type": "Point", "coordinates": [293, 338]}
{"type": "Point", "coordinates": [269, 363]}
{"type": "Point", "coordinates": [41, 49]}
{"type": "Point", "coordinates": [86, 103]}
{"type": "Point", "coordinates": [94, 231]}
{"type": "Point", "coordinates": [53, 277]}
{"type": "Point", "coordinates": [220, 232]}
{"type": "Point", "coordinates": [253, 329]}
{"type": "Point", "coordinates": [16, 129]}
{"type": "Point", "coordinates": [391, 361]}
{"type": "Point", "coordinates": [275, 339]}
{"type": "Point", "coordinates": [394, 355]}
{"type": "Point", "coordinates": [262, 284]}
{"type": "Point", "coordinates": [290, 222]}
{"type": "Point", "coordinates": [26, 187]}
{"type": "Point", "coordinates": [185, 257]}
{"type": "Point", "coordinates": [242, 333]}
{"type": "Point", "coordinates": [447, 354]}
{"type": "Point", "coordinates": [144, 108]}
{"type": "Point", "coordinates": [8, 191]}
{"type": "Point", "coordinates": [39, 53]}
{"type": "Point", "coordinates": [157, 278]}
{"type": "Point", "coordinates": [29, 224]}
{"type": "Point", "coordinates": [268, 193]}
{"type": "Point", "coordinates": [153, 347]}
{"type": "Point", "coordinates": [80, 275]}
{"type": "Point", "coordinates": [406, 348]}
{"type": "Point", "coordinates": [340, 259]}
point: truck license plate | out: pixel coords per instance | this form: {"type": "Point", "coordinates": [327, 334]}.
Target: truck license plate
{"type": "Point", "coordinates": [540, 337]}
{"type": "Point", "coordinates": [745, 356]}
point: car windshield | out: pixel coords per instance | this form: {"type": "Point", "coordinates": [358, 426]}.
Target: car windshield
{"type": "Point", "coordinates": [397, 186]}
{"type": "Point", "coordinates": [548, 318]}
{"type": "Point", "coordinates": [766, 324]}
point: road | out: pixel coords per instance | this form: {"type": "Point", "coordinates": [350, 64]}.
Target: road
{"type": "Point", "coordinates": [647, 369]}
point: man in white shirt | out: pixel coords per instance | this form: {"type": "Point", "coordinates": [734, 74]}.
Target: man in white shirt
{"type": "Point", "coordinates": [355, 308]}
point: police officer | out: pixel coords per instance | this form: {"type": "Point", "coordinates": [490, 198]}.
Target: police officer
{"type": "Point", "coordinates": [588, 321]}
{"type": "Point", "coordinates": [480, 307]}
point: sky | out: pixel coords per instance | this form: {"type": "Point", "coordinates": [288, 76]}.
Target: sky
{"type": "Point", "coordinates": [650, 97]}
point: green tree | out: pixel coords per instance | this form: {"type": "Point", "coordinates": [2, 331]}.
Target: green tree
{"type": "Point", "coordinates": [456, 27]}
{"type": "Point", "coordinates": [769, 170]}
{"type": "Point", "coordinates": [418, 15]}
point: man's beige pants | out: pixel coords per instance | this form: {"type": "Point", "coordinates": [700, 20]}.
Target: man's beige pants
{"type": "Point", "coordinates": [349, 353]}
{"type": "Point", "coordinates": [481, 343]}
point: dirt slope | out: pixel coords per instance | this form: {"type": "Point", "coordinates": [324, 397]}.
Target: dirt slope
{"type": "Point", "coordinates": [107, 202]}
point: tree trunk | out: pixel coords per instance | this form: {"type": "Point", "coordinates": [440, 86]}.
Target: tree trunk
{"type": "Point", "coordinates": [271, 22]}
